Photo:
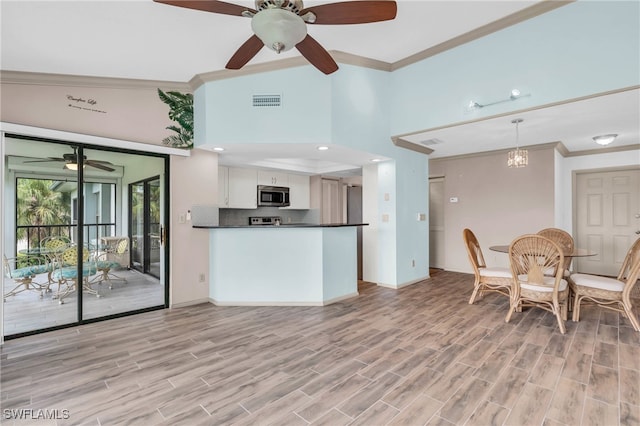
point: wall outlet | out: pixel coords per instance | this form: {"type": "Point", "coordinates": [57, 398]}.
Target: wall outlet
{"type": "Point", "coordinates": [202, 278]}
{"type": "Point", "coordinates": [385, 218]}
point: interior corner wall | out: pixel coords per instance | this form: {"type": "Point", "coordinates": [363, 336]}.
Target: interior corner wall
{"type": "Point", "coordinates": [497, 203]}
{"type": "Point", "coordinates": [370, 216]}
{"type": "Point", "coordinates": [360, 120]}
{"type": "Point", "coordinates": [194, 181]}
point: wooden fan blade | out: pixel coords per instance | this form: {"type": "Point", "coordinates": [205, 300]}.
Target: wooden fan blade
{"type": "Point", "coordinates": [245, 53]}
{"type": "Point", "coordinates": [98, 166]}
{"type": "Point", "coordinates": [48, 159]}
{"type": "Point", "coordinates": [353, 12]}
{"type": "Point", "coordinates": [317, 55]}
{"type": "Point", "coordinates": [209, 6]}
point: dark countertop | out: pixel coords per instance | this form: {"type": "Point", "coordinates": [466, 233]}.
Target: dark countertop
{"type": "Point", "coordinates": [284, 225]}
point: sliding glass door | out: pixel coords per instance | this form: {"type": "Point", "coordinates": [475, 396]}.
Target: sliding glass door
{"type": "Point", "coordinates": [70, 252]}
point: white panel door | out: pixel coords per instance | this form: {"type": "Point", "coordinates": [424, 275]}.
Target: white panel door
{"type": "Point", "coordinates": [607, 218]}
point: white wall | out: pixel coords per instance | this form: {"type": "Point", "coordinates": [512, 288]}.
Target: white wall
{"type": "Point", "coordinates": [497, 203]}
{"type": "Point", "coordinates": [194, 181]}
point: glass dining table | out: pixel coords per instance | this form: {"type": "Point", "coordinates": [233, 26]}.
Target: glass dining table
{"type": "Point", "coordinates": [577, 252]}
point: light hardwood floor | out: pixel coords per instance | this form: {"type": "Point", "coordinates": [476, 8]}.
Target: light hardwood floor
{"type": "Point", "coordinates": [415, 356]}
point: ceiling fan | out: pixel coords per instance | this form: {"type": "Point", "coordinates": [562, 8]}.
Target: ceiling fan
{"type": "Point", "coordinates": [282, 24]}
{"type": "Point", "coordinates": [71, 161]}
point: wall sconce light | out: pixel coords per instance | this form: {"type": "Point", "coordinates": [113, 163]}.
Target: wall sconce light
{"type": "Point", "coordinates": [605, 139]}
{"type": "Point", "coordinates": [514, 95]}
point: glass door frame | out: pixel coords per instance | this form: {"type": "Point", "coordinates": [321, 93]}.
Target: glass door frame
{"type": "Point", "coordinates": [146, 231]}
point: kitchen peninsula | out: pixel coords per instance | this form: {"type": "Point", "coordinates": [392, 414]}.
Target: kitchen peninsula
{"type": "Point", "coordinates": [296, 265]}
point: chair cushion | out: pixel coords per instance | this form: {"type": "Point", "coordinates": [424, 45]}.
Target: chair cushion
{"type": "Point", "coordinates": [594, 281]}
{"type": "Point", "coordinates": [70, 272]}
{"type": "Point", "coordinates": [28, 271]}
{"type": "Point", "coordinates": [495, 272]}
{"type": "Point", "coordinates": [107, 264]}
{"type": "Point", "coordinates": [549, 281]}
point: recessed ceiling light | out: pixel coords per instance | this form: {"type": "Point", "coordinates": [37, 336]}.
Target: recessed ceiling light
{"type": "Point", "coordinates": [605, 139]}
{"type": "Point", "coordinates": [218, 149]}
{"type": "Point", "coordinates": [375, 160]}
{"type": "Point", "coordinates": [323, 148]}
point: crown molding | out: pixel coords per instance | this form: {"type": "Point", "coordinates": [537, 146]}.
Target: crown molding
{"type": "Point", "coordinates": [46, 79]}
{"type": "Point", "coordinates": [603, 150]}
{"type": "Point", "coordinates": [549, 145]}
{"type": "Point", "coordinates": [492, 27]}
{"type": "Point", "coordinates": [280, 64]}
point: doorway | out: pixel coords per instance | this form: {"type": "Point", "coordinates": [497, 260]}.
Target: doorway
{"type": "Point", "coordinates": [607, 218]}
{"type": "Point", "coordinates": [145, 230]}
{"type": "Point", "coordinates": [436, 223]}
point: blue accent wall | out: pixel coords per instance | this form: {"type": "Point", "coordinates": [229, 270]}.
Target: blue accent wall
{"type": "Point", "coordinates": [580, 49]}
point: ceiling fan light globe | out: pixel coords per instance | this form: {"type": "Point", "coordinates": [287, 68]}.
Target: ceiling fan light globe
{"type": "Point", "coordinates": [279, 29]}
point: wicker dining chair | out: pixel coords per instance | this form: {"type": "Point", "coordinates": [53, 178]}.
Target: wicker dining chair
{"type": "Point", "coordinates": [487, 279]}
{"type": "Point", "coordinates": [530, 256]}
{"type": "Point", "coordinates": [610, 293]}
{"type": "Point", "coordinates": [565, 241]}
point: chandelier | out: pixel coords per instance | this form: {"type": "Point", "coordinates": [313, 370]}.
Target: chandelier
{"type": "Point", "coordinates": [517, 157]}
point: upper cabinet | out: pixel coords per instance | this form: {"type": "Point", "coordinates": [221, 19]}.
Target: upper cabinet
{"type": "Point", "coordinates": [299, 193]}
{"type": "Point", "coordinates": [272, 178]}
{"type": "Point", "coordinates": [237, 187]}
{"type": "Point", "coordinates": [241, 189]}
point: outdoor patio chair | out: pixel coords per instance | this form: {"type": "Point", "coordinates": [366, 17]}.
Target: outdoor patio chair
{"type": "Point", "coordinates": [110, 260]}
{"type": "Point", "coordinates": [66, 273]}
{"type": "Point", "coordinates": [22, 271]}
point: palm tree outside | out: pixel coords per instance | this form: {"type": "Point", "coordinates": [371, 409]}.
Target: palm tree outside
{"type": "Point", "coordinates": [38, 207]}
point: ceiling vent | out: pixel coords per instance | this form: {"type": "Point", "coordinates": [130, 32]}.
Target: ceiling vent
{"type": "Point", "coordinates": [267, 100]}
{"type": "Point", "coordinates": [431, 142]}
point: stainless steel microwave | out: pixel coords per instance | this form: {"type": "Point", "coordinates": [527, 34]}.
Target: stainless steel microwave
{"type": "Point", "coordinates": [273, 196]}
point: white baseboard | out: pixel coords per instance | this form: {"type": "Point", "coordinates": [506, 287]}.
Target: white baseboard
{"type": "Point", "coordinates": [189, 303]}
{"type": "Point", "coordinates": [404, 284]}
{"type": "Point", "coordinates": [276, 303]}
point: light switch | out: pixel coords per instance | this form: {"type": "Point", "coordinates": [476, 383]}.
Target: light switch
{"type": "Point", "coordinates": [453, 199]}
{"type": "Point", "coordinates": [386, 196]}
{"type": "Point", "coordinates": [385, 218]}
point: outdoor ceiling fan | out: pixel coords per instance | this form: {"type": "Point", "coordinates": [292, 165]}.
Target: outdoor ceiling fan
{"type": "Point", "coordinates": [71, 161]}
{"type": "Point", "coordinates": [282, 24]}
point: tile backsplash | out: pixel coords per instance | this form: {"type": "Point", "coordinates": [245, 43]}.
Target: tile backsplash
{"type": "Point", "coordinates": [235, 217]}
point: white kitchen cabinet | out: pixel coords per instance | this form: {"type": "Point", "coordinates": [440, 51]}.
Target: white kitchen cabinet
{"type": "Point", "coordinates": [299, 192]}
{"type": "Point", "coordinates": [223, 186]}
{"type": "Point", "coordinates": [242, 188]}
{"type": "Point", "coordinates": [272, 177]}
